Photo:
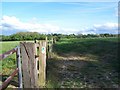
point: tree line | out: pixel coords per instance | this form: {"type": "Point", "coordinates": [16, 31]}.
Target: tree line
{"type": "Point", "coordinates": [21, 36]}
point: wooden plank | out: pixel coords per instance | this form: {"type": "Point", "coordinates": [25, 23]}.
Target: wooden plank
{"type": "Point", "coordinates": [6, 82]}
{"type": "Point", "coordinates": [42, 64]}
{"type": "Point", "coordinates": [35, 65]}
{"type": "Point", "coordinates": [31, 55]}
{"type": "Point", "coordinates": [36, 45]}
{"type": "Point", "coordinates": [39, 64]}
{"type": "Point", "coordinates": [19, 67]}
{"type": "Point", "coordinates": [6, 54]}
{"type": "Point", "coordinates": [25, 66]}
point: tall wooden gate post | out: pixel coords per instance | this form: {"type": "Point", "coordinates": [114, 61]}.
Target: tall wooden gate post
{"type": "Point", "coordinates": [28, 64]}
{"type": "Point", "coordinates": [42, 63]}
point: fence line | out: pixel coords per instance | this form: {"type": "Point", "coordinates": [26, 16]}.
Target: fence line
{"type": "Point", "coordinates": [31, 58]}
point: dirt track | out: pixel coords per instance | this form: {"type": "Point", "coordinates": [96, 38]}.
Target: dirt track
{"type": "Point", "coordinates": [79, 72]}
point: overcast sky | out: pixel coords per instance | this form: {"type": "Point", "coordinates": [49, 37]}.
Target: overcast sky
{"type": "Point", "coordinates": [59, 17]}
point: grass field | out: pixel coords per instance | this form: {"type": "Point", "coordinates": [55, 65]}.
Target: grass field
{"type": "Point", "coordinates": [85, 63]}
{"type": "Point", "coordinates": [9, 63]}
{"type": "Point", "coordinates": [77, 63]}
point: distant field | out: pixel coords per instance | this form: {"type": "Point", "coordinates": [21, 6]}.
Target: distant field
{"type": "Point", "coordinates": [7, 45]}
{"type": "Point", "coordinates": [83, 62]}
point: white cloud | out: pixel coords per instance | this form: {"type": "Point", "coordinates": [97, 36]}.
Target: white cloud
{"type": "Point", "coordinates": [11, 24]}
{"type": "Point", "coordinates": [106, 28]}
{"type": "Point", "coordinates": [111, 28]}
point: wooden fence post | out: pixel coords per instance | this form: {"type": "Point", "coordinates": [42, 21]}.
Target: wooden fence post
{"type": "Point", "coordinates": [54, 40]}
{"type": "Point", "coordinates": [42, 63]}
{"type": "Point", "coordinates": [50, 46]}
{"type": "Point", "coordinates": [28, 64]}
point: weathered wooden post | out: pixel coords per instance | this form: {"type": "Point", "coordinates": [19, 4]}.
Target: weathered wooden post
{"type": "Point", "coordinates": [54, 40]}
{"type": "Point", "coordinates": [28, 64]}
{"type": "Point", "coordinates": [50, 43]}
{"type": "Point", "coordinates": [42, 63]}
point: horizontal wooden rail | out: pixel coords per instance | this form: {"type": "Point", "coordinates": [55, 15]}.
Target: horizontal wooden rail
{"type": "Point", "coordinates": [6, 54]}
{"type": "Point", "coordinates": [5, 83]}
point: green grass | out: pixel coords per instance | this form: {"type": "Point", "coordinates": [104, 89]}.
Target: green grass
{"type": "Point", "coordinates": [9, 63]}
{"type": "Point", "coordinates": [103, 51]}
{"type": "Point", "coordinates": [103, 72]}
{"type": "Point", "coordinates": [85, 45]}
